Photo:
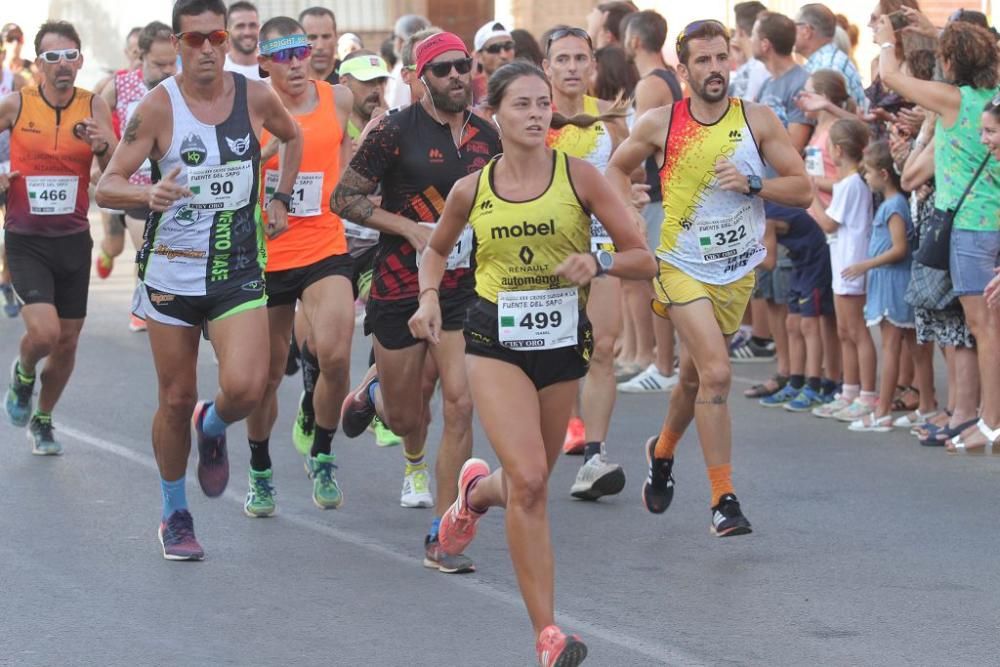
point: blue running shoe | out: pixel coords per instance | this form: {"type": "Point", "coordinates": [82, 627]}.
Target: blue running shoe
{"type": "Point", "coordinates": [19, 398]}
{"type": "Point", "coordinates": [779, 398]}
{"type": "Point", "coordinates": [11, 306]}
{"type": "Point", "coordinates": [43, 443]}
{"type": "Point", "coordinates": [806, 400]}
{"type": "Point", "coordinates": [213, 460]}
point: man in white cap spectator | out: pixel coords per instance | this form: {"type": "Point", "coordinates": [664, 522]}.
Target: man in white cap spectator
{"type": "Point", "coordinates": [494, 48]}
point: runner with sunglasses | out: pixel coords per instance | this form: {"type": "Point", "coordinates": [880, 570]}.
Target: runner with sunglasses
{"type": "Point", "coordinates": [416, 155]}
{"type": "Point", "coordinates": [201, 265]}
{"type": "Point", "coordinates": [711, 150]}
{"type": "Point", "coordinates": [56, 131]}
{"type": "Point", "coordinates": [527, 336]}
{"type": "Point", "coordinates": [494, 48]}
{"type": "Point", "coordinates": [569, 63]}
{"type": "Point", "coordinates": [309, 262]}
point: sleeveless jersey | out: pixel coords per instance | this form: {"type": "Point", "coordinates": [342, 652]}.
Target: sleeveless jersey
{"type": "Point", "coordinates": [130, 88]}
{"type": "Point", "coordinates": [709, 233]}
{"type": "Point", "coordinates": [49, 147]}
{"type": "Point", "coordinates": [314, 232]}
{"type": "Point", "coordinates": [6, 87]}
{"type": "Point", "coordinates": [207, 243]}
{"type": "Point", "coordinates": [519, 244]}
{"type": "Point", "coordinates": [669, 77]}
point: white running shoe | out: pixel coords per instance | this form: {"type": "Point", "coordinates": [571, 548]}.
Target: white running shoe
{"type": "Point", "coordinates": [598, 478]}
{"type": "Point", "coordinates": [650, 381]}
{"type": "Point", "coordinates": [417, 489]}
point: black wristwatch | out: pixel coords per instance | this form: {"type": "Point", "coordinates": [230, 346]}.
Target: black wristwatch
{"type": "Point", "coordinates": [605, 260]}
{"type": "Point", "coordinates": [755, 185]}
{"type": "Point", "coordinates": [284, 199]}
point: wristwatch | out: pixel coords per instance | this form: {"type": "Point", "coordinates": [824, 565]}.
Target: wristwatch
{"type": "Point", "coordinates": [284, 199]}
{"type": "Point", "coordinates": [755, 185]}
{"type": "Point", "coordinates": [605, 260]}
{"type": "Point", "coordinates": [887, 45]}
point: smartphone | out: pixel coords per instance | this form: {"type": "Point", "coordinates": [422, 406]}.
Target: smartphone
{"type": "Point", "coordinates": [899, 20]}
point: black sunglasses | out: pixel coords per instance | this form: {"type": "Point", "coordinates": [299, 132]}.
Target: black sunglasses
{"type": "Point", "coordinates": [441, 70]}
{"type": "Point", "coordinates": [568, 32]}
{"type": "Point", "coordinates": [695, 27]}
{"type": "Point", "coordinates": [494, 49]}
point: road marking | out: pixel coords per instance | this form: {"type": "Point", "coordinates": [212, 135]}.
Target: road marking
{"type": "Point", "coordinates": [661, 653]}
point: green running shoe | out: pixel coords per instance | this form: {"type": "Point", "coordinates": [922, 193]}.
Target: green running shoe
{"type": "Point", "coordinates": [19, 400]}
{"type": "Point", "coordinates": [384, 437]}
{"type": "Point", "coordinates": [302, 430]}
{"type": "Point", "coordinates": [260, 495]}
{"type": "Point", "coordinates": [43, 443]}
{"type": "Point", "coordinates": [326, 491]}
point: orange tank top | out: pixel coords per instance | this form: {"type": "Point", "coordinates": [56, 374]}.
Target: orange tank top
{"type": "Point", "coordinates": [314, 232]}
{"type": "Point", "coordinates": [49, 148]}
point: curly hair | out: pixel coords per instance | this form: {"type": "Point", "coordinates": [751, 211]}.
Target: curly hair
{"type": "Point", "coordinates": [971, 53]}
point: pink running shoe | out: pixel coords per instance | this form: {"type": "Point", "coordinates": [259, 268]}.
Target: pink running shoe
{"type": "Point", "coordinates": [458, 525]}
{"type": "Point", "coordinates": [557, 650]}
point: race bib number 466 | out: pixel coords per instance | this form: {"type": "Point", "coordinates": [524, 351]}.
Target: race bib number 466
{"type": "Point", "coordinates": [52, 195]}
{"type": "Point", "coordinates": [538, 319]}
{"type": "Point", "coordinates": [227, 187]}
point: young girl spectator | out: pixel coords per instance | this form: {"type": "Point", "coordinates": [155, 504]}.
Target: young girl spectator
{"type": "Point", "coordinates": [888, 272]}
{"type": "Point", "coordinates": [824, 92]}
{"type": "Point", "coordinates": [848, 223]}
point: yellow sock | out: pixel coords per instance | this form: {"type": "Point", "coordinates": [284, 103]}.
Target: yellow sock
{"type": "Point", "coordinates": [721, 479]}
{"type": "Point", "coordinates": [414, 461]}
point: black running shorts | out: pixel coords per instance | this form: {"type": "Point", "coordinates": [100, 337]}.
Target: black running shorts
{"type": "Point", "coordinates": [51, 269]}
{"type": "Point", "coordinates": [284, 288]}
{"type": "Point", "coordinates": [389, 320]}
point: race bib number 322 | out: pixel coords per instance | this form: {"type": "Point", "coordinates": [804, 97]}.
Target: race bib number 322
{"type": "Point", "coordinates": [538, 319]}
{"type": "Point", "coordinates": [725, 238]}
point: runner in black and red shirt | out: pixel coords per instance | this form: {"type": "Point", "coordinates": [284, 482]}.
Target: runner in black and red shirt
{"type": "Point", "coordinates": [417, 155]}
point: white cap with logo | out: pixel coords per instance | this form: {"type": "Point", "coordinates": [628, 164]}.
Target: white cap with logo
{"type": "Point", "coordinates": [488, 32]}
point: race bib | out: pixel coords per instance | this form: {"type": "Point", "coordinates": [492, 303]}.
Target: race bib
{"type": "Point", "coordinates": [538, 319]}
{"type": "Point", "coordinates": [599, 239]}
{"type": "Point", "coordinates": [724, 238]}
{"type": "Point", "coordinates": [359, 232]}
{"type": "Point", "coordinates": [52, 195]}
{"type": "Point", "coordinates": [227, 187]}
{"type": "Point", "coordinates": [460, 256]}
{"type": "Point", "coordinates": [814, 162]}
{"type": "Point", "coordinates": [307, 193]}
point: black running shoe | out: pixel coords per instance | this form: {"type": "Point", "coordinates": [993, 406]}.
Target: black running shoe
{"type": "Point", "coordinates": [658, 489]}
{"type": "Point", "coordinates": [357, 411]}
{"type": "Point", "coordinates": [727, 519]}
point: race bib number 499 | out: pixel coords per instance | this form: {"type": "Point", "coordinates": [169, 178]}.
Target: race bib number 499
{"type": "Point", "coordinates": [538, 319]}
{"type": "Point", "coordinates": [52, 195]}
{"type": "Point", "coordinates": [227, 187]}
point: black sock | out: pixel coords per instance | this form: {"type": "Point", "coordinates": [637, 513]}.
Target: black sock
{"type": "Point", "coordinates": [322, 440]}
{"type": "Point", "coordinates": [797, 381]}
{"type": "Point", "coordinates": [591, 449]}
{"type": "Point", "coordinates": [829, 386]}
{"type": "Point", "coordinates": [371, 356]}
{"type": "Point", "coordinates": [814, 383]}
{"type": "Point", "coordinates": [260, 457]}
{"type": "Point", "coordinates": [757, 340]}
{"type": "Point", "coordinates": [310, 373]}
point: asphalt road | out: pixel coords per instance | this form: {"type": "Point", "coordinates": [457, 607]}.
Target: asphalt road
{"type": "Point", "coordinates": [867, 549]}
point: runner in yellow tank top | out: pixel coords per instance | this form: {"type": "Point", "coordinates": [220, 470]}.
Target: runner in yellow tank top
{"type": "Point", "coordinates": [712, 150]}
{"type": "Point", "coordinates": [527, 335]}
{"type": "Point", "coordinates": [569, 64]}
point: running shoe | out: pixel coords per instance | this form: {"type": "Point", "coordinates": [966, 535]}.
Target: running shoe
{"type": "Point", "coordinates": [43, 443]}
{"type": "Point", "coordinates": [458, 525]}
{"type": "Point", "coordinates": [555, 649]}
{"type": "Point", "coordinates": [384, 437]}
{"type": "Point", "coordinates": [436, 559]}
{"type": "Point", "coordinates": [828, 410]}
{"type": "Point", "coordinates": [417, 489]}
{"type": "Point", "coordinates": [19, 401]}
{"type": "Point", "coordinates": [741, 337]}
{"type": "Point", "coordinates": [805, 401]}
{"type": "Point", "coordinates": [103, 265]}
{"type": "Point", "coordinates": [11, 306]}
{"type": "Point", "coordinates": [727, 519]}
{"type": "Point", "coordinates": [136, 324]}
{"type": "Point", "coordinates": [779, 398]}
{"type": "Point", "coordinates": [326, 491]}
{"type": "Point", "coordinates": [302, 429]}
{"type": "Point", "coordinates": [260, 495]}
{"type": "Point", "coordinates": [658, 489]}
{"type": "Point", "coordinates": [177, 537]}
{"type": "Point", "coordinates": [358, 410]}
{"type": "Point", "coordinates": [752, 353]}
{"type": "Point", "coordinates": [576, 437]}
{"type": "Point", "coordinates": [213, 460]}
{"type": "Point", "coordinates": [855, 411]}
{"type": "Point", "coordinates": [650, 381]}
{"type": "Point", "coordinates": [596, 478]}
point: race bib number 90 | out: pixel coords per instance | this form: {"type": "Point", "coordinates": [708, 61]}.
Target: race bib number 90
{"type": "Point", "coordinates": [227, 187]}
{"type": "Point", "coordinates": [307, 193]}
{"type": "Point", "coordinates": [538, 319]}
{"type": "Point", "coordinates": [460, 256]}
{"type": "Point", "coordinates": [52, 195]}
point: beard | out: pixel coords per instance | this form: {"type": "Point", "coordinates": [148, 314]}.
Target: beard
{"type": "Point", "coordinates": [245, 45]}
{"type": "Point", "coordinates": [442, 98]}
{"type": "Point", "coordinates": [714, 97]}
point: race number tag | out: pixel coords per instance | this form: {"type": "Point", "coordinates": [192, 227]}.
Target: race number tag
{"type": "Point", "coordinates": [599, 238]}
{"type": "Point", "coordinates": [724, 238]}
{"type": "Point", "coordinates": [307, 193]}
{"type": "Point", "coordinates": [52, 195]}
{"type": "Point", "coordinates": [355, 231]}
{"type": "Point", "coordinates": [224, 188]}
{"type": "Point", "coordinates": [538, 319]}
{"type": "Point", "coordinates": [460, 256]}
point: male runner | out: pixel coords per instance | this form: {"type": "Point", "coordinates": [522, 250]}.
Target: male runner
{"type": "Point", "coordinates": [365, 74]}
{"type": "Point", "coordinates": [200, 265]}
{"type": "Point", "coordinates": [712, 150]}
{"type": "Point", "coordinates": [417, 155]}
{"type": "Point", "coordinates": [494, 48]}
{"type": "Point", "coordinates": [309, 262]}
{"type": "Point", "coordinates": [9, 83]}
{"type": "Point", "coordinates": [244, 28]}
{"type": "Point", "coordinates": [320, 25]}
{"type": "Point", "coordinates": [56, 131]}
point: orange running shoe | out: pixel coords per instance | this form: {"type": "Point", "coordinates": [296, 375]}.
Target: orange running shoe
{"type": "Point", "coordinates": [458, 525]}
{"type": "Point", "coordinates": [576, 437]}
{"type": "Point", "coordinates": [557, 650]}
{"type": "Point", "coordinates": [136, 324]}
{"type": "Point", "coordinates": [103, 265]}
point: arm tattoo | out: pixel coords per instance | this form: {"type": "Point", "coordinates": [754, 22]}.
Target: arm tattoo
{"type": "Point", "coordinates": [715, 400]}
{"type": "Point", "coordinates": [132, 129]}
{"type": "Point", "coordinates": [350, 198]}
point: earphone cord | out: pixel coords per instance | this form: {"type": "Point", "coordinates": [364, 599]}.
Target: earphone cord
{"type": "Point", "coordinates": [458, 144]}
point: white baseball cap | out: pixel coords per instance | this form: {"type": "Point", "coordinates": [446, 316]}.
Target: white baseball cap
{"type": "Point", "coordinates": [488, 32]}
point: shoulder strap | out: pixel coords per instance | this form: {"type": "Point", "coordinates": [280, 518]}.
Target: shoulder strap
{"type": "Point", "coordinates": [971, 183]}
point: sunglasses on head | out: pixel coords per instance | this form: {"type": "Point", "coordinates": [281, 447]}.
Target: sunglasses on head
{"type": "Point", "coordinates": [693, 28]}
{"type": "Point", "coordinates": [286, 55]}
{"type": "Point", "coordinates": [441, 70]}
{"type": "Point", "coordinates": [196, 39]}
{"type": "Point", "coordinates": [494, 49]}
{"type": "Point", "coordinates": [568, 32]}
{"type": "Point", "coordinates": [69, 55]}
